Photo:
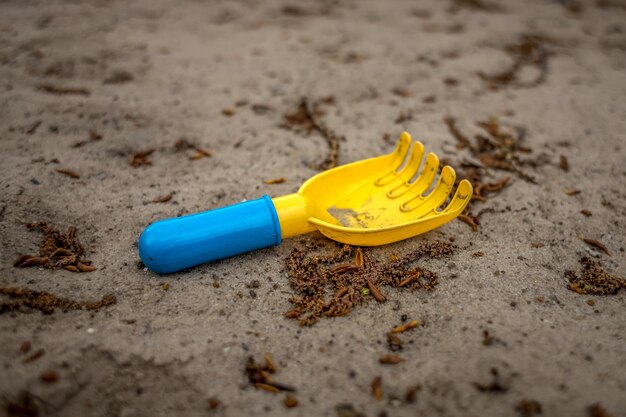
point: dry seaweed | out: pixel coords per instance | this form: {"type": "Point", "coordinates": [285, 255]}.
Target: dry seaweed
{"type": "Point", "coordinates": [49, 376]}
{"type": "Point", "coordinates": [141, 158]}
{"type": "Point", "coordinates": [596, 410]}
{"type": "Point", "coordinates": [307, 119]}
{"type": "Point", "coordinates": [529, 408]}
{"type": "Point", "coordinates": [259, 375]}
{"type": "Point", "coordinates": [118, 77]}
{"type": "Point", "coordinates": [597, 244]}
{"type": "Point", "coordinates": [34, 356]}
{"type": "Point", "coordinates": [463, 141]}
{"type": "Point", "coordinates": [563, 163]}
{"type": "Point", "coordinates": [33, 128]}
{"type": "Point", "coordinates": [47, 302]}
{"type": "Point", "coordinates": [56, 250]}
{"type": "Point", "coordinates": [497, 384]}
{"type": "Point", "coordinates": [404, 327]}
{"type": "Point", "coordinates": [594, 280]}
{"type": "Point", "coordinates": [331, 286]}
{"type": "Point", "coordinates": [275, 181]}
{"type": "Point", "coordinates": [23, 406]}
{"type": "Point", "coordinates": [499, 149]}
{"type": "Point", "coordinates": [476, 5]}
{"type": "Point", "coordinates": [390, 360]}
{"type": "Point", "coordinates": [377, 388]}
{"type": "Point", "coordinates": [529, 51]}
{"type": "Point", "coordinates": [183, 144]}
{"type": "Point", "coordinates": [290, 401]}
{"type": "Point", "coordinates": [70, 173]}
{"type": "Point", "coordinates": [63, 91]}
{"type": "Point", "coordinates": [94, 136]}
{"type": "Point", "coordinates": [163, 198]}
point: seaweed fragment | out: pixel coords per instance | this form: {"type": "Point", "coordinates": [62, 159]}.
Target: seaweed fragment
{"type": "Point", "coordinates": [57, 250]}
{"type": "Point", "coordinates": [329, 285]}
{"type": "Point", "coordinates": [528, 51]}
{"type": "Point", "coordinates": [47, 302]}
{"type": "Point", "coordinates": [594, 280]}
{"type": "Point", "coordinates": [307, 119]}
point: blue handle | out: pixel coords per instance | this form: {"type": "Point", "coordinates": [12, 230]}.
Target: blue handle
{"type": "Point", "coordinates": [178, 243]}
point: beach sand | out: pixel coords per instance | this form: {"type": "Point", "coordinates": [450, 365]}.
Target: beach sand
{"type": "Point", "coordinates": [86, 85]}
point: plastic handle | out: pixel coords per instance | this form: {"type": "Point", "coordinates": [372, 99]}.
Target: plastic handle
{"type": "Point", "coordinates": [178, 243]}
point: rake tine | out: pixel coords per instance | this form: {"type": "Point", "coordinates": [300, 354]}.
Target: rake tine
{"type": "Point", "coordinates": [400, 153]}
{"type": "Point", "coordinates": [438, 196]}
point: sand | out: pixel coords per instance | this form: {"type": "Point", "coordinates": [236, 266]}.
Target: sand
{"type": "Point", "coordinates": [144, 74]}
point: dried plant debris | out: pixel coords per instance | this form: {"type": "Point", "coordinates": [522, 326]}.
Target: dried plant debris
{"type": "Point", "coordinates": [606, 4]}
{"type": "Point", "coordinates": [141, 158]}
{"type": "Point", "coordinates": [475, 5]}
{"type": "Point", "coordinates": [290, 401]}
{"type": "Point", "coordinates": [214, 403]}
{"type": "Point", "coordinates": [594, 280]}
{"type": "Point", "coordinates": [23, 406]}
{"type": "Point", "coordinates": [596, 244]}
{"type": "Point", "coordinates": [49, 376]}
{"type": "Point", "coordinates": [404, 327]}
{"type": "Point", "coordinates": [390, 359]}
{"type": "Point", "coordinates": [118, 77]}
{"type": "Point", "coordinates": [528, 51]}
{"type": "Point", "coordinates": [47, 302]}
{"type": "Point", "coordinates": [94, 136]}
{"type": "Point", "coordinates": [183, 144]}
{"type": "Point", "coordinates": [499, 148]}
{"type": "Point", "coordinates": [331, 285]}
{"type": "Point", "coordinates": [57, 250]}
{"type": "Point", "coordinates": [33, 128]}
{"type": "Point", "coordinates": [260, 375]}
{"type": "Point", "coordinates": [163, 198]}
{"type": "Point", "coordinates": [306, 119]}
{"type": "Point", "coordinates": [272, 181]}
{"type": "Point", "coordinates": [200, 153]}
{"type": "Point", "coordinates": [34, 356]}
{"type": "Point", "coordinates": [529, 408]}
{"type": "Point", "coordinates": [563, 163]}
{"type": "Point", "coordinates": [70, 173]}
{"type": "Point", "coordinates": [63, 91]}
{"type": "Point", "coordinates": [347, 410]}
{"type": "Point", "coordinates": [377, 388]}
{"type": "Point", "coordinates": [572, 192]}
{"type": "Point", "coordinates": [596, 410]}
{"type": "Point", "coordinates": [572, 6]}
{"type": "Point", "coordinates": [497, 384]}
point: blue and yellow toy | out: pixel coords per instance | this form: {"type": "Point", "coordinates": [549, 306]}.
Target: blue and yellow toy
{"type": "Point", "coordinates": [366, 203]}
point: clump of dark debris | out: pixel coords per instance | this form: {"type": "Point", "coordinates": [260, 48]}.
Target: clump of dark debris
{"type": "Point", "coordinates": [332, 285]}
{"type": "Point", "coordinates": [47, 302]}
{"type": "Point", "coordinates": [596, 410]}
{"type": "Point", "coordinates": [499, 148]}
{"type": "Point", "coordinates": [529, 408]}
{"type": "Point", "coordinates": [528, 51]}
{"type": "Point", "coordinates": [476, 5]}
{"type": "Point", "coordinates": [23, 406]}
{"type": "Point", "coordinates": [498, 383]}
{"type": "Point", "coordinates": [260, 375]}
{"type": "Point", "coordinates": [594, 280]}
{"type": "Point", "coordinates": [57, 250]}
{"type": "Point", "coordinates": [307, 119]}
